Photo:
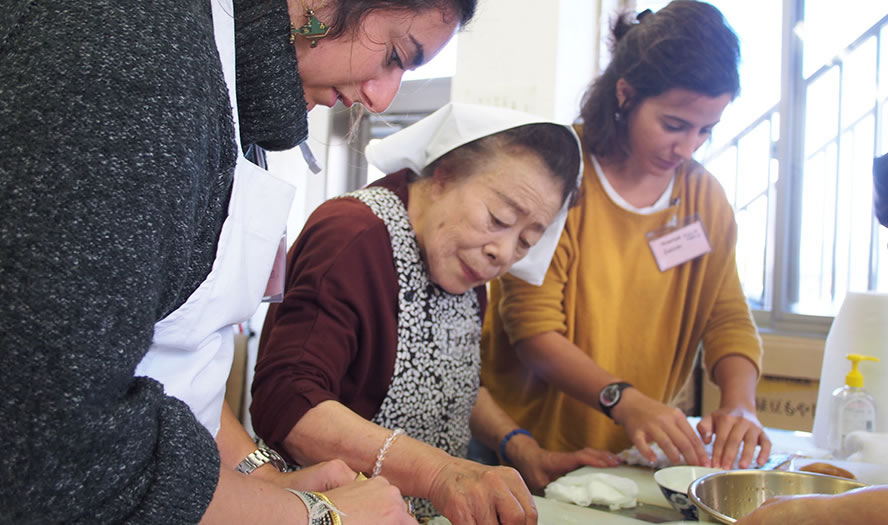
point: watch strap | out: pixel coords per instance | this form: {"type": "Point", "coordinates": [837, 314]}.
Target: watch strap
{"type": "Point", "coordinates": [259, 457]}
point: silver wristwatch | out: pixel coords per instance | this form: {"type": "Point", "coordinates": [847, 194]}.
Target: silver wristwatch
{"type": "Point", "coordinates": [259, 457]}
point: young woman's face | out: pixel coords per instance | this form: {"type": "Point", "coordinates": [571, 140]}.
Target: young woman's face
{"type": "Point", "coordinates": [477, 226]}
{"type": "Point", "coordinates": [666, 130]}
{"type": "Point", "coordinates": [367, 68]}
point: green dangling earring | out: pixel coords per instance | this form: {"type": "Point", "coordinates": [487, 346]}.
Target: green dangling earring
{"type": "Point", "coordinates": [313, 29]}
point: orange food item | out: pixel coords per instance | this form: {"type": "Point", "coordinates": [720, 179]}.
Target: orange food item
{"type": "Point", "coordinates": [826, 468]}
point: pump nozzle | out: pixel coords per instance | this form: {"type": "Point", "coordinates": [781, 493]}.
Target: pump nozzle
{"type": "Point", "coordinates": [854, 377]}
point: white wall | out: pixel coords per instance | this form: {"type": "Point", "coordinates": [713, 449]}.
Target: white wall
{"type": "Point", "coordinates": [529, 55]}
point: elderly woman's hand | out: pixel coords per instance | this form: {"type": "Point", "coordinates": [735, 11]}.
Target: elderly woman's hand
{"type": "Point", "coordinates": [864, 505]}
{"type": "Point", "coordinates": [538, 466]}
{"type": "Point", "coordinates": [469, 493]}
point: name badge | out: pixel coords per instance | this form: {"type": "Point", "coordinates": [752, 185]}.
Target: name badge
{"type": "Point", "coordinates": [678, 244]}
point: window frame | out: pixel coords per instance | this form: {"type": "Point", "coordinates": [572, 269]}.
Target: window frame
{"type": "Point", "coordinates": [777, 314]}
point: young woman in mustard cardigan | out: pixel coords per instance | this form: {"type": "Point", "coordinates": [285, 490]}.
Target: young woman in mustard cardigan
{"type": "Point", "coordinates": [645, 270]}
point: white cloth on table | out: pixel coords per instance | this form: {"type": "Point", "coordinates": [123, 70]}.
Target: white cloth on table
{"type": "Point", "coordinates": [598, 488]}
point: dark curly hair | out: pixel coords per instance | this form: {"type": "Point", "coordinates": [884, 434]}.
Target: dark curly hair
{"type": "Point", "coordinates": [687, 44]}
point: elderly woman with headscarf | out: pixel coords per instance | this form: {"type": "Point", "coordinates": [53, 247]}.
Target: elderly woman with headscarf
{"type": "Point", "coordinates": [373, 356]}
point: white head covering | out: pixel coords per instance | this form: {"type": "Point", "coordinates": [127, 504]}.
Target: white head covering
{"type": "Point", "coordinates": [448, 128]}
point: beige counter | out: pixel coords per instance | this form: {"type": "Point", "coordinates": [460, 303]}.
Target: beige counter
{"type": "Point", "coordinates": [557, 513]}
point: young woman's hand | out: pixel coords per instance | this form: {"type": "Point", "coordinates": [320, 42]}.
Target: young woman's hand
{"type": "Point", "coordinates": [731, 427]}
{"type": "Point", "coordinates": [371, 502]}
{"type": "Point", "coordinates": [647, 420]}
{"type": "Point", "coordinates": [472, 493]}
{"type": "Point", "coordinates": [538, 466]}
{"type": "Point", "coordinates": [361, 502]}
{"type": "Point", "coordinates": [321, 477]}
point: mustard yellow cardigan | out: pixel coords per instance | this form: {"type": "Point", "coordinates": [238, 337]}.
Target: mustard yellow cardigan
{"type": "Point", "coordinates": [605, 293]}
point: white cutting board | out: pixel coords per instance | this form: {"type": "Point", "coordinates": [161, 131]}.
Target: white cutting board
{"type": "Point", "coordinates": [648, 490]}
{"type": "Point", "coordinates": [557, 513]}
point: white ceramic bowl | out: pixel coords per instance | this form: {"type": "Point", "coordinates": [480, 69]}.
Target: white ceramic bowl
{"type": "Point", "coordinates": [674, 483]}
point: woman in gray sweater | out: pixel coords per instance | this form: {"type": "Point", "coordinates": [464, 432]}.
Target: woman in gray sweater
{"type": "Point", "coordinates": [118, 158]}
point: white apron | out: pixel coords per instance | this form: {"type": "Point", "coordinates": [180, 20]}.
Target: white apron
{"type": "Point", "coordinates": [193, 347]}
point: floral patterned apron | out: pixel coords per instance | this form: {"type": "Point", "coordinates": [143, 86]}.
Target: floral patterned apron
{"type": "Point", "coordinates": [437, 368]}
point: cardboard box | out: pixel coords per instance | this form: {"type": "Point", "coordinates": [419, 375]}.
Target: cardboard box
{"type": "Point", "coordinates": [781, 402]}
{"type": "Point", "coordinates": [786, 396]}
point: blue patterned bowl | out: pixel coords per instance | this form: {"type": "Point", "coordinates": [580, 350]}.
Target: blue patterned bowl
{"type": "Point", "coordinates": [674, 483]}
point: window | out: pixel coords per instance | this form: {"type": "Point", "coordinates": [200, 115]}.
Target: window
{"type": "Point", "coordinates": [794, 152]}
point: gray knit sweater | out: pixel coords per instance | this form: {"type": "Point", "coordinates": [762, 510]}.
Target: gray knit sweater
{"type": "Point", "coordinates": [116, 160]}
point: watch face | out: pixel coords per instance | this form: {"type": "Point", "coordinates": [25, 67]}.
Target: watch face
{"type": "Point", "coordinates": [610, 395]}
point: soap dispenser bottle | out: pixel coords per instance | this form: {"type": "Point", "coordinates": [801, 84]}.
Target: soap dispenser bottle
{"type": "Point", "coordinates": [853, 408]}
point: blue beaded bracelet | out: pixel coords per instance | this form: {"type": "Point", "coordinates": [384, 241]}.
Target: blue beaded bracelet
{"type": "Point", "coordinates": [502, 445]}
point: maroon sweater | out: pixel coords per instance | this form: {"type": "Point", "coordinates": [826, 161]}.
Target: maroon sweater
{"type": "Point", "coordinates": [335, 335]}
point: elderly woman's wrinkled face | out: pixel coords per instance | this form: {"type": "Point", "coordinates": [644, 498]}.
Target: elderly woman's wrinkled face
{"type": "Point", "coordinates": [477, 226]}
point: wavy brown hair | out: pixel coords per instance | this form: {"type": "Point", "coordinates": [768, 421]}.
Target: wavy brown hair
{"type": "Point", "coordinates": [687, 45]}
